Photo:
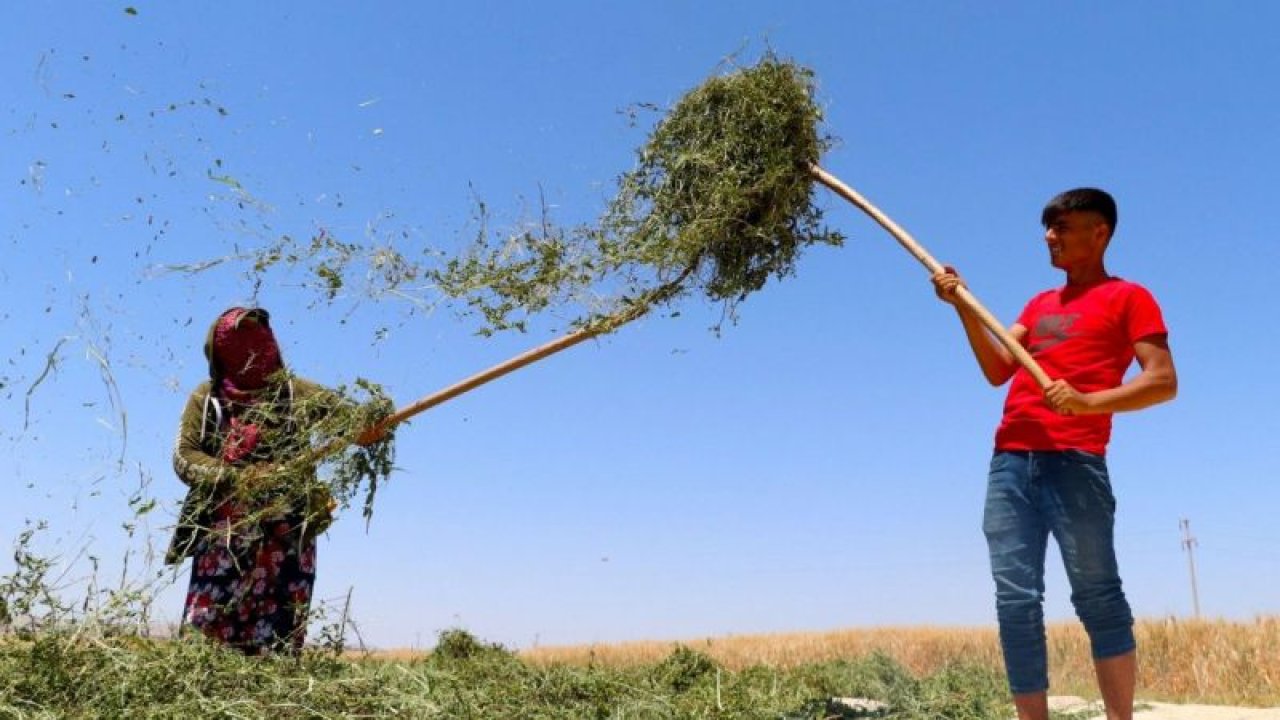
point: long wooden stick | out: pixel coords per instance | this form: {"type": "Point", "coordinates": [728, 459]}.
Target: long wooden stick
{"type": "Point", "coordinates": [525, 358]}
{"type": "Point", "coordinates": [602, 326]}
{"type": "Point", "coordinates": [962, 293]}
{"type": "Point", "coordinates": [442, 396]}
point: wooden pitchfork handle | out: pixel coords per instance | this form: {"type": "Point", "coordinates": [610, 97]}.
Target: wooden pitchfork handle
{"type": "Point", "coordinates": [445, 395]}
{"type": "Point", "coordinates": [601, 326]}
{"type": "Point", "coordinates": [962, 293]}
{"type": "Point", "coordinates": [525, 358]}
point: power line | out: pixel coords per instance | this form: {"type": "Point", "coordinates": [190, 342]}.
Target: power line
{"type": "Point", "coordinates": [1189, 544]}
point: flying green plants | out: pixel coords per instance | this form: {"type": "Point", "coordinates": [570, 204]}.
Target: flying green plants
{"type": "Point", "coordinates": [719, 201]}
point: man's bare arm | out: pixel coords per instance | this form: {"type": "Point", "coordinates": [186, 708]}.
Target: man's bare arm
{"type": "Point", "coordinates": [994, 359]}
{"type": "Point", "coordinates": [1156, 383]}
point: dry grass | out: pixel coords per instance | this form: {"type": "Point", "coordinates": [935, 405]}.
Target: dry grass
{"type": "Point", "coordinates": [1235, 663]}
{"type": "Point", "coordinates": [918, 649]}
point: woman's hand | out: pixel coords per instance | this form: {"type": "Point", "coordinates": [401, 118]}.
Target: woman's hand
{"type": "Point", "coordinates": [371, 435]}
{"type": "Point", "coordinates": [320, 507]}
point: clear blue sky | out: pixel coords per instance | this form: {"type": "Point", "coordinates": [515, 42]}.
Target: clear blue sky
{"type": "Point", "coordinates": [820, 465]}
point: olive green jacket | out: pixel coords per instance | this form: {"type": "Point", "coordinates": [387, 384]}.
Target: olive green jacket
{"type": "Point", "coordinates": [198, 452]}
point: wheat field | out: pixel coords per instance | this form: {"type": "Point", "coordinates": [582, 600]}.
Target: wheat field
{"type": "Point", "coordinates": [1210, 661]}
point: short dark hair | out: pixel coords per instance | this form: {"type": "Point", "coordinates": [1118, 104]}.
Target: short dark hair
{"type": "Point", "coordinates": [1081, 200]}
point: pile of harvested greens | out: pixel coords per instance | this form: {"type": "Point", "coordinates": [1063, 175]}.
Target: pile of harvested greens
{"type": "Point", "coordinates": [721, 199]}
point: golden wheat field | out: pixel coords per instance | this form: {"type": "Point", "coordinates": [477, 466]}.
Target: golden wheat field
{"type": "Point", "coordinates": [1212, 661]}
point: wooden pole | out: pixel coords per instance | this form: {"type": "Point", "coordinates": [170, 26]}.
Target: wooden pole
{"type": "Point", "coordinates": [602, 326]}
{"type": "Point", "coordinates": [1189, 544]}
{"type": "Point", "coordinates": [967, 298]}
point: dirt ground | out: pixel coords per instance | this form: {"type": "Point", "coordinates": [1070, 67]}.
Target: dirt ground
{"type": "Point", "coordinates": [1080, 708]}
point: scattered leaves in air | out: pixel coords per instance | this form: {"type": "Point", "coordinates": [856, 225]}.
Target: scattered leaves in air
{"type": "Point", "coordinates": [720, 200]}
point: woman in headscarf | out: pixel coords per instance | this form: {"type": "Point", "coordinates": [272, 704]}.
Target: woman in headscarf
{"type": "Point", "coordinates": [250, 520]}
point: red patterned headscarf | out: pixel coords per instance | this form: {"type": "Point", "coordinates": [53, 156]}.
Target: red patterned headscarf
{"type": "Point", "coordinates": [244, 352]}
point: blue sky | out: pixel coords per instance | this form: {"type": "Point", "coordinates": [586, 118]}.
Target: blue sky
{"type": "Point", "coordinates": [819, 465]}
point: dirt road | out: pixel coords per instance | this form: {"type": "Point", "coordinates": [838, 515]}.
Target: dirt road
{"type": "Point", "coordinates": [1080, 708]}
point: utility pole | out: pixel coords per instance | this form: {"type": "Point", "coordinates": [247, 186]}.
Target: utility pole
{"type": "Point", "coordinates": [1189, 544]}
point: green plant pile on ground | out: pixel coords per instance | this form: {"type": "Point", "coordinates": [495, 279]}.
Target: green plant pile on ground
{"type": "Point", "coordinates": [63, 675]}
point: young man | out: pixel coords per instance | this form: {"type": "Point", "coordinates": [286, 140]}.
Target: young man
{"type": "Point", "coordinates": [1049, 474]}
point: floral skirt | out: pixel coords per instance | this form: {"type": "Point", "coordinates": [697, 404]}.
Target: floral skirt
{"type": "Point", "coordinates": [251, 582]}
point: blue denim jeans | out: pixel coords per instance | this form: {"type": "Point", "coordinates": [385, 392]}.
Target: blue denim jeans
{"type": "Point", "coordinates": [1031, 495]}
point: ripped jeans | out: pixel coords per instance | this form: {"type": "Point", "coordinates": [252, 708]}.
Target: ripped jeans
{"type": "Point", "coordinates": [1031, 495]}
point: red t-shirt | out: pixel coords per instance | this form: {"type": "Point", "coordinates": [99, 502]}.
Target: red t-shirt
{"type": "Point", "coordinates": [1084, 336]}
